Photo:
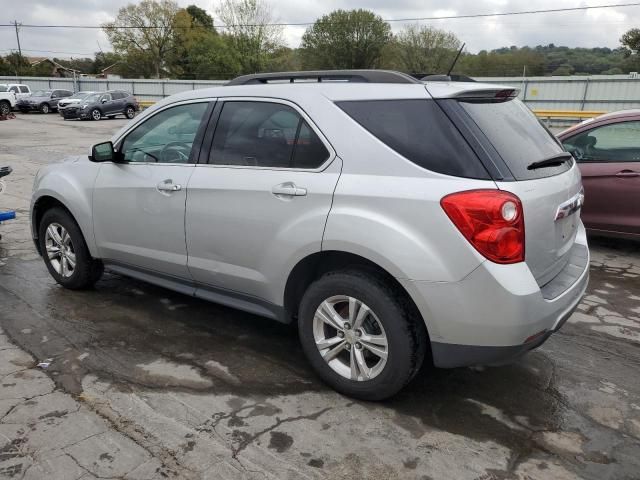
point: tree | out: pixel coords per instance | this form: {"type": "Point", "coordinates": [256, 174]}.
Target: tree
{"type": "Point", "coordinates": [199, 52]}
{"type": "Point", "coordinates": [144, 31]}
{"type": "Point", "coordinates": [631, 40]}
{"type": "Point", "coordinates": [250, 32]}
{"type": "Point", "coordinates": [200, 17]}
{"type": "Point", "coordinates": [345, 39]}
{"type": "Point", "coordinates": [422, 49]}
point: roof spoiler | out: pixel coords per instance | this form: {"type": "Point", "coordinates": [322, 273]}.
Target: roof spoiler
{"type": "Point", "coordinates": [488, 94]}
{"type": "Point", "coordinates": [447, 78]}
{"type": "Point", "coordinates": [319, 76]}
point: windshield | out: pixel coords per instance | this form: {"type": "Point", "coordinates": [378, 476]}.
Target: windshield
{"type": "Point", "coordinates": [518, 136]}
{"type": "Point", "coordinates": [41, 93]}
{"type": "Point", "coordinates": [94, 97]}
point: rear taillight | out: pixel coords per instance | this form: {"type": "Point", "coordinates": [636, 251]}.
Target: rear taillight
{"type": "Point", "coordinates": [491, 220]}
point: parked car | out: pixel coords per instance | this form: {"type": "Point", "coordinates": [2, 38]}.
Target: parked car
{"type": "Point", "coordinates": [108, 104]}
{"type": "Point", "coordinates": [44, 101]}
{"type": "Point", "coordinates": [20, 90]}
{"type": "Point", "coordinates": [392, 220]}
{"type": "Point", "coordinates": [75, 99]}
{"type": "Point", "coordinates": [9, 95]}
{"type": "Point", "coordinates": [607, 150]}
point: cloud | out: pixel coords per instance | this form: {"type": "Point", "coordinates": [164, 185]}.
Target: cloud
{"type": "Point", "coordinates": [592, 28]}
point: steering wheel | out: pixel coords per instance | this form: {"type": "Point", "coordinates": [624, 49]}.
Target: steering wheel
{"type": "Point", "coordinates": [175, 152]}
{"type": "Point", "coordinates": [577, 152]}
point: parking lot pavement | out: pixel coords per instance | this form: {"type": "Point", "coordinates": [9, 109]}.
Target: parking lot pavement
{"type": "Point", "coordinates": [146, 383]}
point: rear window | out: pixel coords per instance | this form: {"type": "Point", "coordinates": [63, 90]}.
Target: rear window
{"type": "Point", "coordinates": [419, 131]}
{"type": "Point", "coordinates": [517, 135]}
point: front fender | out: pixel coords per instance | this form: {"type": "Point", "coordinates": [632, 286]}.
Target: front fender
{"type": "Point", "coordinates": [70, 183]}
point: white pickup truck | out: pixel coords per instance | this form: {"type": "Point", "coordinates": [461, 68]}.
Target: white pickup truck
{"type": "Point", "coordinates": [9, 95]}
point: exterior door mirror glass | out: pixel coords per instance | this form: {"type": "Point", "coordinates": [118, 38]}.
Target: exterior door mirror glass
{"type": "Point", "coordinates": [102, 152]}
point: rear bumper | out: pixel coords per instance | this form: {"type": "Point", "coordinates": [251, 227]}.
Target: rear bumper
{"type": "Point", "coordinates": [497, 313]}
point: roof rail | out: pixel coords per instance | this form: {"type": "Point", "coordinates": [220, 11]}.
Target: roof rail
{"type": "Point", "coordinates": [357, 76]}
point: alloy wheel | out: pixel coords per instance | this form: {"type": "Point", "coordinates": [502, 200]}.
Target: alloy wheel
{"type": "Point", "coordinates": [45, 108]}
{"type": "Point", "coordinates": [350, 338]}
{"type": "Point", "coordinates": [130, 113]}
{"type": "Point", "coordinates": [95, 114]}
{"type": "Point", "coordinates": [60, 250]}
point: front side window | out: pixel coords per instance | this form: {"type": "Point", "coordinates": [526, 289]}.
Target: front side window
{"type": "Point", "coordinates": [106, 97]}
{"type": "Point", "coordinates": [14, 89]}
{"type": "Point", "coordinates": [166, 137]}
{"type": "Point", "coordinates": [619, 142]}
{"type": "Point", "coordinates": [265, 134]}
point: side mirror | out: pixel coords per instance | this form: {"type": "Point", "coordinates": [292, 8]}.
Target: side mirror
{"type": "Point", "coordinates": [102, 152]}
{"type": "Point", "coordinates": [103, 100]}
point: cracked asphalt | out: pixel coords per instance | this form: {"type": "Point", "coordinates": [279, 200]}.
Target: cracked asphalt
{"type": "Point", "coordinates": [144, 383]}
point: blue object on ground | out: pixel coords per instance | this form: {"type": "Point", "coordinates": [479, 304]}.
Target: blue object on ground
{"type": "Point", "coordinates": [7, 215]}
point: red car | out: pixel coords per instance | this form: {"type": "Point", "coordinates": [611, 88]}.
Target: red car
{"type": "Point", "coordinates": [607, 150]}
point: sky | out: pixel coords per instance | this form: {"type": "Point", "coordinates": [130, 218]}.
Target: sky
{"type": "Point", "coordinates": [591, 28]}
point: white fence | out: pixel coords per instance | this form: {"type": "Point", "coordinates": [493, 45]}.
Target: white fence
{"type": "Point", "coordinates": [597, 92]}
{"type": "Point", "coordinates": [592, 93]}
{"type": "Point", "coordinates": [152, 90]}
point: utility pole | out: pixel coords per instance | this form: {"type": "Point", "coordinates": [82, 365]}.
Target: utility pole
{"type": "Point", "coordinates": [15, 22]}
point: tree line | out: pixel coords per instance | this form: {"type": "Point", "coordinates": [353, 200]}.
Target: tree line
{"type": "Point", "coordinates": [158, 39]}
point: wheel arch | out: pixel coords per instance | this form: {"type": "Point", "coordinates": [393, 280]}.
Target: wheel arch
{"type": "Point", "coordinates": [46, 202]}
{"type": "Point", "coordinates": [317, 264]}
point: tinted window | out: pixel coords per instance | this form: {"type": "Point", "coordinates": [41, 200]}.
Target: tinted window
{"type": "Point", "coordinates": [65, 93]}
{"type": "Point", "coordinates": [419, 131]}
{"type": "Point", "coordinates": [117, 95]}
{"type": "Point", "coordinates": [264, 134]}
{"type": "Point", "coordinates": [24, 89]}
{"type": "Point", "coordinates": [619, 142]}
{"type": "Point", "coordinates": [14, 89]}
{"type": "Point", "coordinates": [517, 135]}
{"type": "Point", "coordinates": [166, 137]}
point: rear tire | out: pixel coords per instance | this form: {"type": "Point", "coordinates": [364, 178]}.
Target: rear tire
{"type": "Point", "coordinates": [5, 108]}
{"type": "Point", "coordinates": [65, 251]}
{"type": "Point", "coordinates": [390, 327]}
{"type": "Point", "coordinates": [129, 112]}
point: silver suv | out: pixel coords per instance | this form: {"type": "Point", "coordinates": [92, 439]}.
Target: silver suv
{"type": "Point", "coordinates": [392, 220]}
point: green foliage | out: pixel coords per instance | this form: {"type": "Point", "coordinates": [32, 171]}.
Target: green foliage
{"type": "Point", "coordinates": [251, 33]}
{"type": "Point", "coordinates": [150, 46]}
{"type": "Point", "coordinates": [422, 49]}
{"type": "Point", "coordinates": [345, 39]}
{"type": "Point", "coordinates": [631, 40]}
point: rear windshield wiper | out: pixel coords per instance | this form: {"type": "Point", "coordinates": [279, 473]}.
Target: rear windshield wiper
{"type": "Point", "coordinates": [552, 161]}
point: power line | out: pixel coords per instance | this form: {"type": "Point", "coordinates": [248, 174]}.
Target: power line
{"type": "Point", "coordinates": [46, 51]}
{"type": "Point", "coordinates": [303, 24]}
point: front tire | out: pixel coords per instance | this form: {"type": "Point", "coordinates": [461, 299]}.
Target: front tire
{"type": "Point", "coordinates": [44, 108]}
{"type": "Point", "coordinates": [65, 251]}
{"type": "Point", "coordinates": [360, 335]}
{"type": "Point", "coordinates": [95, 114]}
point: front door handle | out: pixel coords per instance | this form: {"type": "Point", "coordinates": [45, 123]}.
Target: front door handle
{"type": "Point", "coordinates": [289, 189]}
{"type": "Point", "coordinates": [628, 173]}
{"type": "Point", "coordinates": [168, 186]}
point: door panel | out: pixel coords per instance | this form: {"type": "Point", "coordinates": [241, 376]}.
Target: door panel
{"type": "Point", "coordinates": [262, 201]}
{"type": "Point", "coordinates": [242, 234]}
{"type": "Point", "coordinates": [609, 159]}
{"type": "Point", "coordinates": [612, 196]}
{"type": "Point", "coordinates": [138, 219]}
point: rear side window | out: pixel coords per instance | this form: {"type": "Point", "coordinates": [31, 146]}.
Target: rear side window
{"type": "Point", "coordinates": [419, 131]}
{"type": "Point", "coordinates": [117, 95]}
{"type": "Point", "coordinates": [24, 89]}
{"type": "Point", "coordinates": [265, 134]}
{"type": "Point", "coordinates": [517, 135]}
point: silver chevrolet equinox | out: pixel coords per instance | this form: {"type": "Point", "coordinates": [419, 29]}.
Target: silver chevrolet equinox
{"type": "Point", "coordinates": [392, 220]}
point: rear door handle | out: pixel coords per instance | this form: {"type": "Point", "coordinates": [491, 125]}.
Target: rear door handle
{"type": "Point", "coordinates": [168, 186]}
{"type": "Point", "coordinates": [289, 189]}
{"type": "Point", "coordinates": [628, 173]}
